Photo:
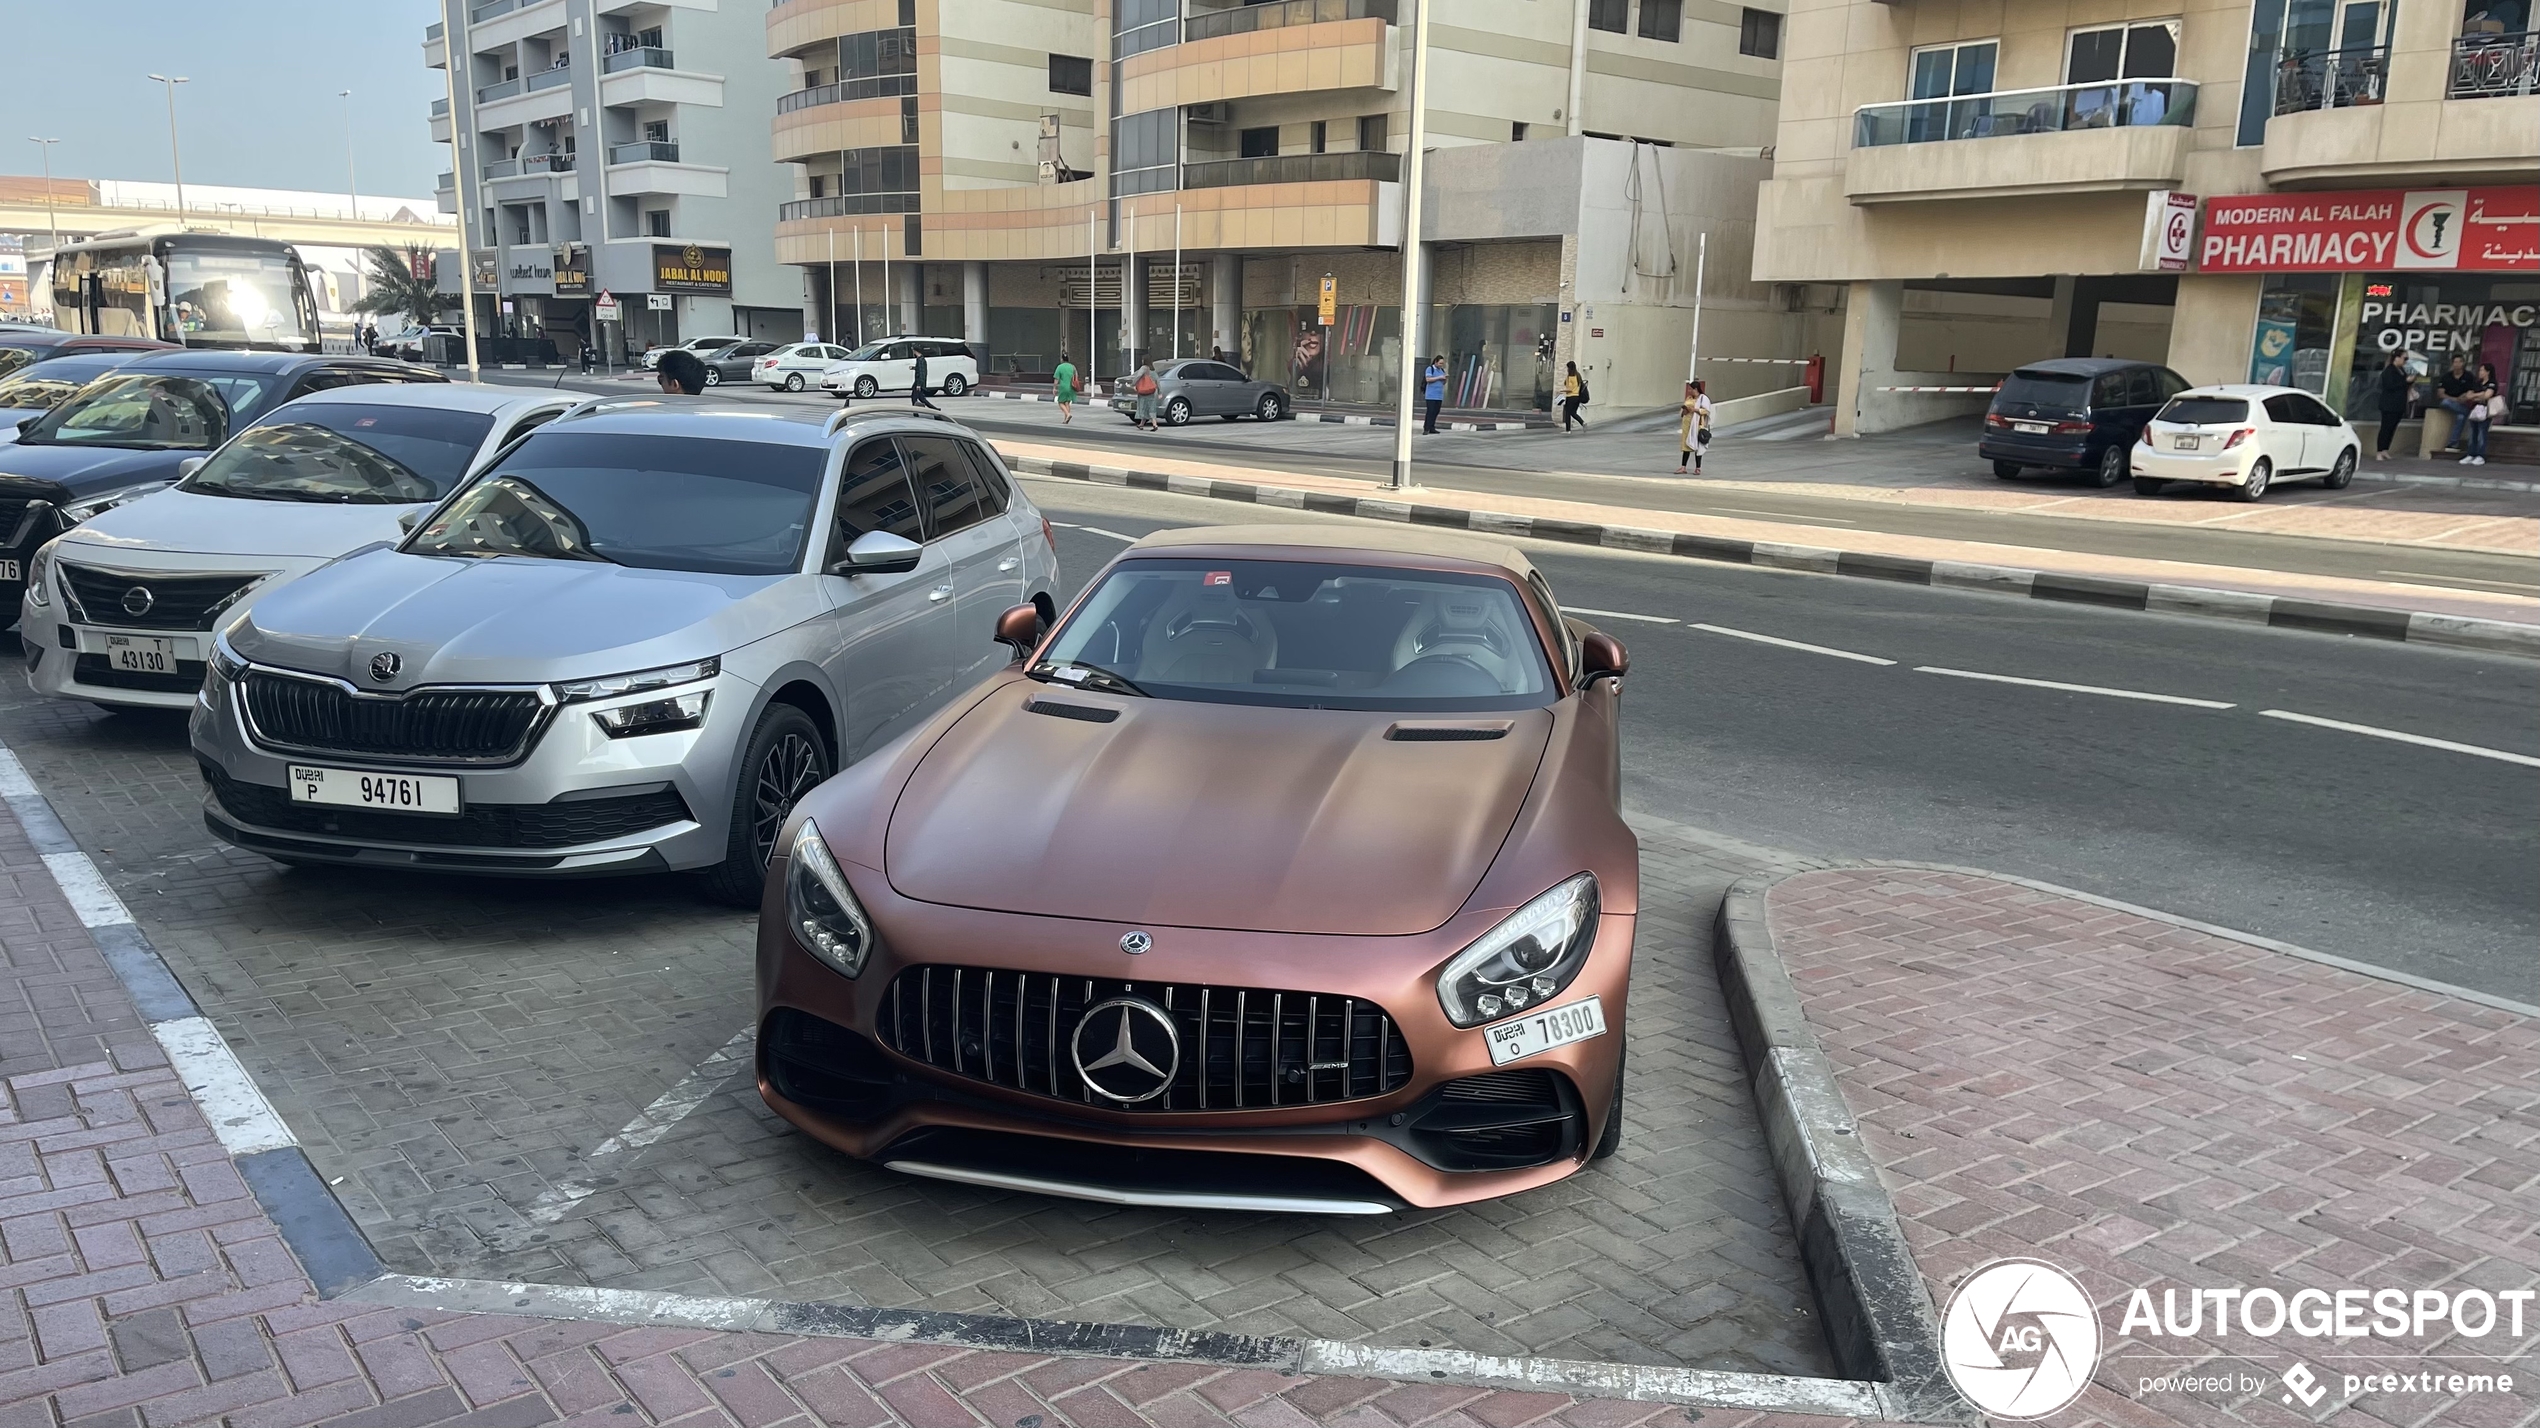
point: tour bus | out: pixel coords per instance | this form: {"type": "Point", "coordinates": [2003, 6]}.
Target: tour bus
{"type": "Point", "coordinates": [193, 289]}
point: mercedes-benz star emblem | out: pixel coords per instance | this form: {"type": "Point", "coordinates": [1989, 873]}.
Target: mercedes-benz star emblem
{"type": "Point", "coordinates": [1134, 943]}
{"type": "Point", "coordinates": [138, 600]}
{"type": "Point", "coordinates": [384, 665]}
{"type": "Point", "coordinates": [1127, 1050]}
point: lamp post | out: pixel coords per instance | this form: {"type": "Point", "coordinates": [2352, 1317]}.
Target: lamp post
{"type": "Point", "coordinates": [175, 160]}
{"type": "Point", "coordinates": [460, 162]}
{"type": "Point", "coordinates": [352, 184]}
{"type": "Point", "coordinates": [1411, 166]}
{"type": "Point", "coordinates": [52, 219]}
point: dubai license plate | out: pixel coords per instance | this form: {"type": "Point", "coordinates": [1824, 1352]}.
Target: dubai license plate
{"type": "Point", "coordinates": [1524, 1036]}
{"type": "Point", "coordinates": [352, 788]}
{"type": "Point", "coordinates": [141, 654]}
{"type": "Point", "coordinates": [11, 570]}
{"type": "Point", "coordinates": [2187, 443]}
{"type": "Point", "coordinates": [2032, 428]}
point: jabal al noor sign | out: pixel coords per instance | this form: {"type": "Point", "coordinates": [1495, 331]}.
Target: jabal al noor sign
{"type": "Point", "coordinates": [2465, 230]}
{"type": "Point", "coordinates": [691, 269]}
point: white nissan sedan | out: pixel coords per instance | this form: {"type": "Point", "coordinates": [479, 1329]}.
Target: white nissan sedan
{"type": "Point", "coordinates": [2246, 438]}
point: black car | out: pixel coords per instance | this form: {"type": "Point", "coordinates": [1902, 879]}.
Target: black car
{"type": "Point", "coordinates": [2074, 414]}
{"type": "Point", "coordinates": [39, 386]}
{"type": "Point", "coordinates": [733, 363]}
{"type": "Point", "coordinates": [131, 433]}
{"type": "Point", "coordinates": [22, 346]}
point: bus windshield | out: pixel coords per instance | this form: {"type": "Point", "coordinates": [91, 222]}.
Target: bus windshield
{"type": "Point", "coordinates": [248, 298]}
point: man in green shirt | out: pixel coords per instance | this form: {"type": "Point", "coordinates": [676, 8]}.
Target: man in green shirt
{"type": "Point", "coordinates": [1063, 383]}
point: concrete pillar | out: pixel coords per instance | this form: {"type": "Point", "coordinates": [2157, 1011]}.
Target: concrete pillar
{"type": "Point", "coordinates": [1871, 315]}
{"type": "Point", "coordinates": [1226, 304]}
{"type": "Point", "coordinates": [816, 305]}
{"type": "Point", "coordinates": [2059, 319]}
{"type": "Point", "coordinates": [1133, 312]}
{"type": "Point", "coordinates": [911, 278]}
{"type": "Point", "coordinates": [974, 307]}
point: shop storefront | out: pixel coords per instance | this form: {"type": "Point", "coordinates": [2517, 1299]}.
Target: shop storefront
{"type": "Point", "coordinates": [1499, 355]}
{"type": "Point", "coordinates": [2352, 277]}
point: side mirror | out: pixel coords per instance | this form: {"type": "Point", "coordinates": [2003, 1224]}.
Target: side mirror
{"type": "Point", "coordinates": [410, 520]}
{"type": "Point", "coordinates": [189, 466]}
{"type": "Point", "coordinates": [880, 553]}
{"type": "Point", "coordinates": [1601, 656]}
{"type": "Point", "coordinates": [1019, 629]}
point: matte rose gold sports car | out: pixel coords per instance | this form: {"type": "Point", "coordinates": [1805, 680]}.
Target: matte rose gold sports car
{"type": "Point", "coordinates": [1285, 873]}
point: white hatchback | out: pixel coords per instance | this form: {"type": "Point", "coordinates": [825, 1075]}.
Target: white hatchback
{"type": "Point", "coordinates": [2246, 438]}
{"type": "Point", "coordinates": [795, 365]}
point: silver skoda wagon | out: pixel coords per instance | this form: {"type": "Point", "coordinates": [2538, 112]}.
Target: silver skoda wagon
{"type": "Point", "coordinates": [628, 644]}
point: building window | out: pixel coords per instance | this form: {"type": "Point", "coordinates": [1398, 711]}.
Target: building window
{"type": "Point", "coordinates": [820, 185]}
{"type": "Point", "coordinates": [1260, 143]}
{"type": "Point", "coordinates": [1662, 19]}
{"type": "Point", "coordinates": [1319, 140]}
{"type": "Point", "coordinates": [884, 58]}
{"type": "Point", "coordinates": [656, 131]}
{"type": "Point", "coordinates": [1371, 132]}
{"type": "Point", "coordinates": [908, 119]}
{"type": "Point", "coordinates": [657, 223]}
{"type": "Point", "coordinates": [1145, 148]}
{"type": "Point", "coordinates": [1612, 16]}
{"type": "Point", "coordinates": [1942, 72]}
{"type": "Point", "coordinates": [811, 78]}
{"type": "Point", "coordinates": [1142, 25]}
{"type": "Point", "coordinates": [1517, 132]}
{"type": "Point", "coordinates": [912, 235]}
{"type": "Point", "coordinates": [1071, 74]}
{"type": "Point", "coordinates": [2139, 51]}
{"type": "Point", "coordinates": [1759, 33]}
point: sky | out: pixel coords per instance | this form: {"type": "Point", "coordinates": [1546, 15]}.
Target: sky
{"type": "Point", "coordinates": [261, 109]}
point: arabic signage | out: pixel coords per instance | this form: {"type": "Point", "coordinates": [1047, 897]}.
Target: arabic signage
{"type": "Point", "coordinates": [2470, 230]}
{"type": "Point", "coordinates": [2169, 232]}
{"type": "Point", "coordinates": [691, 269]}
{"type": "Point", "coordinates": [573, 273]}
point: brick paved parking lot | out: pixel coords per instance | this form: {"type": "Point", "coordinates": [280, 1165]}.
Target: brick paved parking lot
{"type": "Point", "coordinates": [452, 1052]}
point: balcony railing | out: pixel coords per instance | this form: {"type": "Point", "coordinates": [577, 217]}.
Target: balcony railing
{"type": "Point", "coordinates": [1294, 168]}
{"type": "Point", "coordinates": [490, 9]}
{"type": "Point", "coordinates": [2330, 79]}
{"type": "Point", "coordinates": [548, 78]}
{"type": "Point", "coordinates": [558, 163]}
{"type": "Point", "coordinates": [641, 57]}
{"type": "Point", "coordinates": [492, 92]}
{"type": "Point", "coordinates": [2124, 104]}
{"type": "Point", "coordinates": [440, 109]}
{"type": "Point", "coordinates": [500, 168]}
{"type": "Point", "coordinates": [432, 32]}
{"type": "Point", "coordinates": [879, 86]}
{"type": "Point", "coordinates": [846, 205]}
{"type": "Point", "coordinates": [644, 151]}
{"type": "Point", "coordinates": [2495, 66]}
{"type": "Point", "coordinates": [450, 181]}
{"type": "Point", "coordinates": [1209, 24]}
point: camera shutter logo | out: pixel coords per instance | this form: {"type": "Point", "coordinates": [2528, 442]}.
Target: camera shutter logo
{"type": "Point", "coordinates": [2020, 1339]}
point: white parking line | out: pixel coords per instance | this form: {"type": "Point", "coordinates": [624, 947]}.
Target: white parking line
{"type": "Point", "coordinates": [2077, 688]}
{"type": "Point", "coordinates": [649, 1125]}
{"type": "Point", "coordinates": [2432, 743]}
{"type": "Point", "coordinates": [1787, 515]}
{"type": "Point", "coordinates": [1625, 615]}
{"type": "Point", "coordinates": [1789, 644]}
{"type": "Point", "coordinates": [2459, 579]}
{"type": "Point", "coordinates": [1096, 530]}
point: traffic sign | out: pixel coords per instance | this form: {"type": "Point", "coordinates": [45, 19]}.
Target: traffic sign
{"type": "Point", "coordinates": [1328, 300]}
{"type": "Point", "coordinates": [604, 307]}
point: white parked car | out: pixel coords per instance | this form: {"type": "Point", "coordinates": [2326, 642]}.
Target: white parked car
{"type": "Point", "coordinates": [796, 365]}
{"type": "Point", "coordinates": [703, 346]}
{"type": "Point", "coordinates": [121, 609]}
{"type": "Point", "coordinates": [2247, 438]}
{"type": "Point", "coordinates": [890, 365]}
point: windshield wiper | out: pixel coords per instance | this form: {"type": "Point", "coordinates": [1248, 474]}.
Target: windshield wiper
{"type": "Point", "coordinates": [1084, 676]}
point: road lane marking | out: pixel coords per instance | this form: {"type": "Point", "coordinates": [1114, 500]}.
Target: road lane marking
{"type": "Point", "coordinates": [240, 1115]}
{"type": "Point", "coordinates": [2459, 579]}
{"type": "Point", "coordinates": [1787, 515]}
{"type": "Point", "coordinates": [1625, 615]}
{"type": "Point", "coordinates": [2405, 738]}
{"type": "Point", "coordinates": [1097, 530]}
{"type": "Point", "coordinates": [2077, 688]}
{"type": "Point", "coordinates": [650, 1124]}
{"type": "Point", "coordinates": [1789, 644]}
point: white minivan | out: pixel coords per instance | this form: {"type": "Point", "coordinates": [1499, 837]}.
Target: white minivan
{"type": "Point", "coordinates": [890, 365]}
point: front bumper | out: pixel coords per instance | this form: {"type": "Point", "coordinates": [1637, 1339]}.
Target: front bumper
{"type": "Point", "coordinates": [1455, 1129]}
{"type": "Point", "coordinates": [579, 803]}
{"type": "Point", "coordinates": [2214, 468]}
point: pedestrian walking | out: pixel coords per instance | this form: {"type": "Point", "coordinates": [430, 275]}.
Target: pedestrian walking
{"type": "Point", "coordinates": [917, 380]}
{"type": "Point", "coordinates": [2393, 389]}
{"type": "Point", "coordinates": [1432, 394]}
{"type": "Point", "coordinates": [1693, 432]}
{"type": "Point", "coordinates": [1145, 386]}
{"type": "Point", "coordinates": [1573, 396]}
{"type": "Point", "coordinates": [1063, 387]}
{"type": "Point", "coordinates": [2486, 407]}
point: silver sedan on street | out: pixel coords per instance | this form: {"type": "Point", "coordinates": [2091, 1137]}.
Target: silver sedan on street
{"type": "Point", "coordinates": [1198, 387]}
{"type": "Point", "coordinates": [628, 645]}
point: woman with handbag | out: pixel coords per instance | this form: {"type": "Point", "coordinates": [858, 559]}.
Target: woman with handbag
{"type": "Point", "coordinates": [1693, 431]}
{"type": "Point", "coordinates": [2486, 407]}
{"type": "Point", "coordinates": [2393, 389]}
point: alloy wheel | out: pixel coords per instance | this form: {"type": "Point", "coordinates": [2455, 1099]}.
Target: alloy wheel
{"type": "Point", "coordinates": [791, 769]}
{"type": "Point", "coordinates": [1271, 406]}
{"type": "Point", "coordinates": [713, 378]}
{"type": "Point", "coordinates": [794, 381]}
{"type": "Point", "coordinates": [866, 386]}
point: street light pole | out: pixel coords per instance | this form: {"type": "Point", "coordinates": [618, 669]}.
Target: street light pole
{"type": "Point", "coordinates": [460, 162]}
{"type": "Point", "coordinates": [1411, 166]}
{"type": "Point", "coordinates": [175, 160]}
{"type": "Point", "coordinates": [352, 183]}
{"type": "Point", "coordinates": [52, 219]}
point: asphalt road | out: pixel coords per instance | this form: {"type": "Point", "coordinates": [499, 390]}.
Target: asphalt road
{"type": "Point", "coordinates": [2403, 855]}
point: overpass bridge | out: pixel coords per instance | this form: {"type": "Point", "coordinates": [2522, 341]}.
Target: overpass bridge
{"type": "Point", "coordinates": [84, 208]}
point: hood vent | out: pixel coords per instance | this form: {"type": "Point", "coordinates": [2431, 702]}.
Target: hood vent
{"type": "Point", "coordinates": [1086, 712]}
{"type": "Point", "coordinates": [1445, 733]}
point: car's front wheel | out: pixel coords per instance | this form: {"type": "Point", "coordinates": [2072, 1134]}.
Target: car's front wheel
{"type": "Point", "coordinates": [2341, 475]}
{"type": "Point", "coordinates": [713, 378]}
{"type": "Point", "coordinates": [2260, 475]}
{"type": "Point", "coordinates": [956, 384]}
{"type": "Point", "coordinates": [1273, 407]}
{"type": "Point", "coordinates": [793, 381]}
{"type": "Point", "coordinates": [1177, 412]}
{"type": "Point", "coordinates": [2112, 467]}
{"type": "Point", "coordinates": [866, 386]}
{"type": "Point", "coordinates": [785, 759]}
{"type": "Point", "coordinates": [2007, 470]}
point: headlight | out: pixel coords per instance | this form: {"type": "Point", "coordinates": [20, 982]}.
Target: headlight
{"type": "Point", "coordinates": [821, 909]}
{"type": "Point", "coordinates": [89, 507]}
{"type": "Point", "coordinates": [221, 671]}
{"type": "Point", "coordinates": [581, 691]}
{"type": "Point", "coordinates": [654, 716]}
{"type": "Point", "coordinates": [1527, 959]}
{"type": "Point", "coordinates": [39, 569]}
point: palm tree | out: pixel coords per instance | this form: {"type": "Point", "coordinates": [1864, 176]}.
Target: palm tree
{"type": "Point", "coordinates": [394, 288]}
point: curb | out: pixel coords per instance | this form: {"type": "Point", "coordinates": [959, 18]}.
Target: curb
{"type": "Point", "coordinates": [2463, 632]}
{"type": "Point", "coordinates": [1334, 418]}
{"type": "Point", "coordinates": [1870, 1296]}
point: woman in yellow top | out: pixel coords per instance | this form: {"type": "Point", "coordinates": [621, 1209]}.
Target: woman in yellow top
{"type": "Point", "coordinates": [1573, 396]}
{"type": "Point", "coordinates": [1693, 433]}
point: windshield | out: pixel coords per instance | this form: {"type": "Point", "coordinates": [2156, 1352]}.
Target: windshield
{"type": "Point", "coordinates": [339, 453]}
{"type": "Point", "coordinates": [1304, 635]}
{"type": "Point", "coordinates": [236, 297]}
{"type": "Point", "coordinates": [48, 385]}
{"type": "Point", "coordinates": [12, 358]}
{"type": "Point", "coordinates": [2053, 391]}
{"type": "Point", "coordinates": [871, 352]}
{"type": "Point", "coordinates": [158, 412]}
{"type": "Point", "coordinates": [2204, 411]}
{"type": "Point", "coordinates": [659, 502]}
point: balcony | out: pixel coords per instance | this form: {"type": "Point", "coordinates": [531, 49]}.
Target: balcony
{"type": "Point", "coordinates": [504, 90]}
{"type": "Point", "coordinates": [655, 168]}
{"type": "Point", "coordinates": [490, 9]}
{"type": "Point", "coordinates": [2495, 66]}
{"type": "Point", "coordinates": [655, 82]}
{"type": "Point", "coordinates": [500, 169]}
{"type": "Point", "coordinates": [641, 57]}
{"type": "Point", "coordinates": [880, 86]}
{"type": "Point", "coordinates": [546, 79]}
{"type": "Point", "coordinates": [846, 205]}
{"type": "Point", "coordinates": [2073, 138]}
{"type": "Point", "coordinates": [436, 49]}
{"type": "Point", "coordinates": [440, 109]}
{"type": "Point", "coordinates": [644, 151]}
{"type": "Point", "coordinates": [1243, 19]}
{"type": "Point", "coordinates": [1294, 168]}
{"type": "Point", "coordinates": [546, 164]}
{"type": "Point", "coordinates": [2330, 79]}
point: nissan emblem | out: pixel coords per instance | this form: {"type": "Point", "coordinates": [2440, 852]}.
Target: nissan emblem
{"type": "Point", "coordinates": [138, 600]}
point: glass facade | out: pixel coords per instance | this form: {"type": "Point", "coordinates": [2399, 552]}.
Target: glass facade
{"type": "Point", "coordinates": [2433, 318]}
{"type": "Point", "coordinates": [1145, 151]}
{"type": "Point", "coordinates": [2297, 322]}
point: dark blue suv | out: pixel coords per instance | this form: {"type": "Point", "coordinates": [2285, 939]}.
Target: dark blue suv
{"type": "Point", "coordinates": [2074, 414]}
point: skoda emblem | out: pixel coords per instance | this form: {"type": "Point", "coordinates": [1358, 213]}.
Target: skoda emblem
{"type": "Point", "coordinates": [384, 665]}
{"type": "Point", "coordinates": [1127, 1050]}
{"type": "Point", "coordinates": [1135, 943]}
{"type": "Point", "coordinates": [138, 600]}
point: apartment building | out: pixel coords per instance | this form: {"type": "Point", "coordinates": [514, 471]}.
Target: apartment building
{"type": "Point", "coordinates": [1130, 178]}
{"type": "Point", "coordinates": [2262, 190]}
{"type": "Point", "coordinates": [614, 146]}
